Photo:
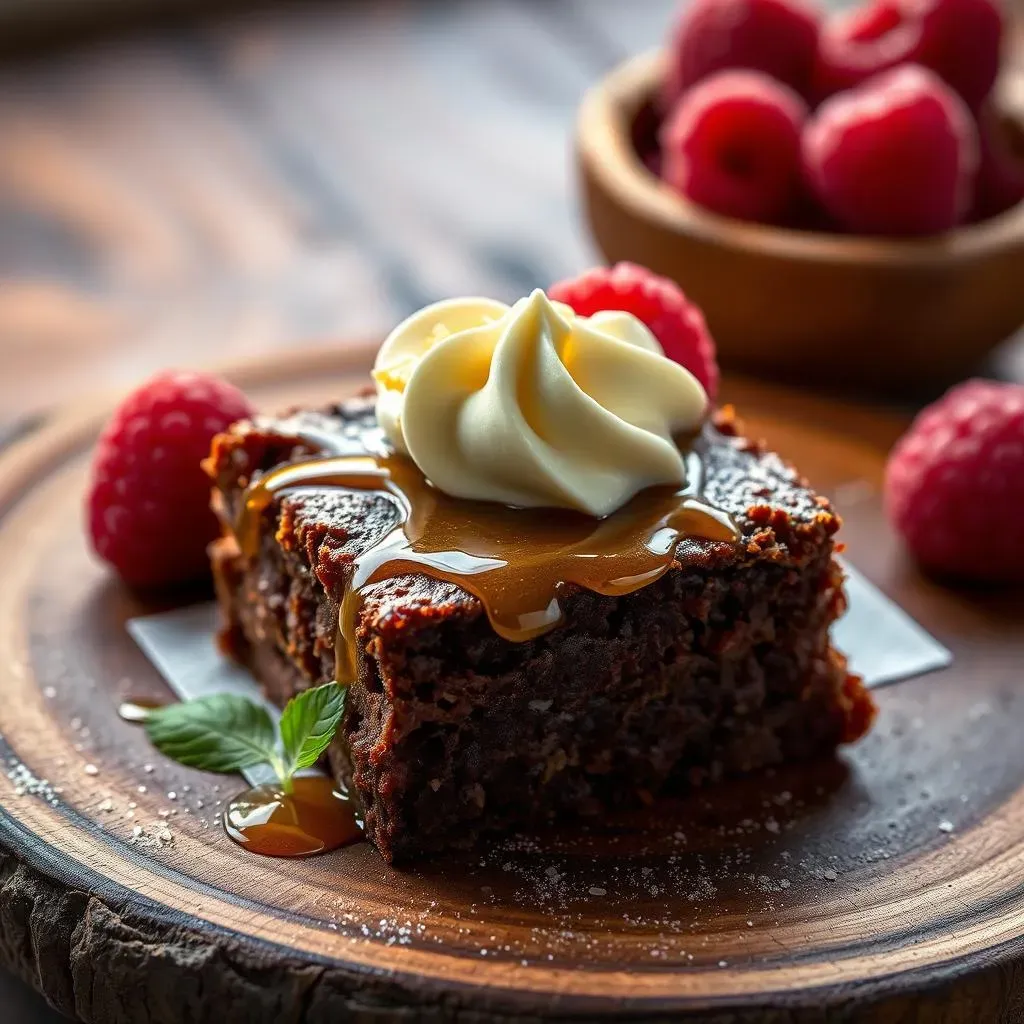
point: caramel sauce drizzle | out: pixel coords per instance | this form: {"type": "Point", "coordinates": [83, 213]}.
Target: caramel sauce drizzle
{"type": "Point", "coordinates": [315, 817]}
{"type": "Point", "coordinates": [515, 561]}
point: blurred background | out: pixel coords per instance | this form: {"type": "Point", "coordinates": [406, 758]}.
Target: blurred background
{"type": "Point", "coordinates": [181, 186]}
{"type": "Point", "coordinates": [198, 188]}
{"type": "Point", "coordinates": [178, 186]}
{"type": "Point", "coordinates": [184, 185]}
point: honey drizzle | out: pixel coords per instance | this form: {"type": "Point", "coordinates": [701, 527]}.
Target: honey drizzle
{"type": "Point", "coordinates": [515, 561]}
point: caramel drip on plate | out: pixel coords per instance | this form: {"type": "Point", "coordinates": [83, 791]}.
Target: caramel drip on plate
{"type": "Point", "coordinates": [314, 818]}
{"type": "Point", "coordinates": [516, 561]}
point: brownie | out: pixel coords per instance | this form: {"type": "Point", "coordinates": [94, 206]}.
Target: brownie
{"type": "Point", "coordinates": [722, 666]}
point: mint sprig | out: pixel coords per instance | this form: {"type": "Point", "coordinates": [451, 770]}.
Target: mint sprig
{"type": "Point", "coordinates": [226, 733]}
{"type": "Point", "coordinates": [308, 725]}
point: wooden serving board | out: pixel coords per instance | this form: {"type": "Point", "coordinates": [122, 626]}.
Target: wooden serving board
{"type": "Point", "coordinates": [884, 886]}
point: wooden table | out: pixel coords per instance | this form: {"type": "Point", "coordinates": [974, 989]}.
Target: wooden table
{"type": "Point", "coordinates": [242, 185]}
{"type": "Point", "coordinates": [239, 186]}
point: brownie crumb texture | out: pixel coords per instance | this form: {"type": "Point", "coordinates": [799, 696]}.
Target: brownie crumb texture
{"type": "Point", "coordinates": [721, 667]}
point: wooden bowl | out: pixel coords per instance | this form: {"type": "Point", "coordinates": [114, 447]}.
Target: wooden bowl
{"type": "Point", "coordinates": [862, 313]}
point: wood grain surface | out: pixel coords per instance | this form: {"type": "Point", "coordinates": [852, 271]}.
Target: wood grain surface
{"type": "Point", "coordinates": [882, 886]}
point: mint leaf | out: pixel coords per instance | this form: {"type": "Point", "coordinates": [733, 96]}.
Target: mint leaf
{"type": "Point", "coordinates": [308, 725]}
{"type": "Point", "coordinates": [222, 733]}
{"type": "Point", "coordinates": [225, 732]}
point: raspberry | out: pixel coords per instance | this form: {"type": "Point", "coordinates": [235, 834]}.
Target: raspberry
{"type": "Point", "coordinates": [1000, 183]}
{"type": "Point", "coordinates": [856, 44]}
{"type": "Point", "coordinates": [957, 39]}
{"type": "Point", "coordinates": [954, 483]}
{"type": "Point", "coordinates": [732, 144]}
{"type": "Point", "coordinates": [675, 321]}
{"type": "Point", "coordinates": [896, 156]}
{"type": "Point", "coordinates": [777, 37]}
{"type": "Point", "coordinates": [149, 504]}
{"type": "Point", "coordinates": [961, 42]}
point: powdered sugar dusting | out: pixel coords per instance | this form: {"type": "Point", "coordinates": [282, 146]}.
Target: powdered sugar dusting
{"type": "Point", "coordinates": [27, 784]}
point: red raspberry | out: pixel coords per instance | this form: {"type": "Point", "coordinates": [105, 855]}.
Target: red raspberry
{"type": "Point", "coordinates": [954, 484]}
{"type": "Point", "coordinates": [961, 42]}
{"type": "Point", "coordinates": [670, 316]}
{"type": "Point", "coordinates": [859, 43]}
{"type": "Point", "coordinates": [1000, 183]}
{"type": "Point", "coordinates": [149, 504]}
{"type": "Point", "coordinates": [957, 39]}
{"type": "Point", "coordinates": [896, 156]}
{"type": "Point", "coordinates": [778, 37]}
{"type": "Point", "coordinates": [732, 144]}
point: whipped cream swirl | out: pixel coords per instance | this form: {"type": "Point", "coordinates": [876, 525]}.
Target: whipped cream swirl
{"type": "Point", "coordinates": [534, 406]}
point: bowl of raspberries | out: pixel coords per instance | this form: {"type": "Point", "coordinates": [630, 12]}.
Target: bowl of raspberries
{"type": "Point", "coordinates": [843, 194]}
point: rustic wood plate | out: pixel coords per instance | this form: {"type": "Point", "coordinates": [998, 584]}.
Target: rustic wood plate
{"type": "Point", "coordinates": [885, 885]}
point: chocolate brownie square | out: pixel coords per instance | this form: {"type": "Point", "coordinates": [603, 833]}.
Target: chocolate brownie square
{"type": "Point", "coordinates": [722, 666]}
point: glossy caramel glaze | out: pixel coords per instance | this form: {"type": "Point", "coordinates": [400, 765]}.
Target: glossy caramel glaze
{"type": "Point", "coordinates": [515, 561]}
{"type": "Point", "coordinates": [314, 818]}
